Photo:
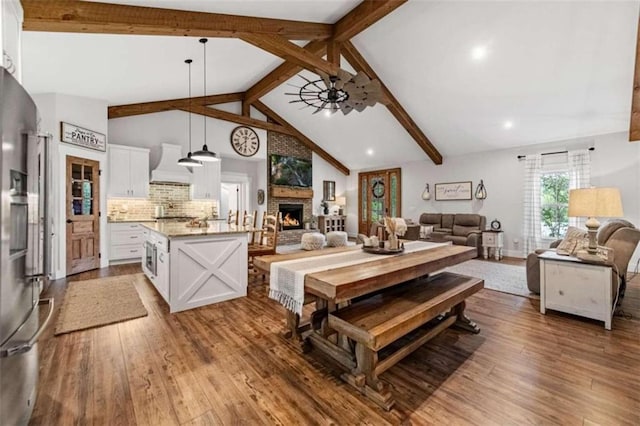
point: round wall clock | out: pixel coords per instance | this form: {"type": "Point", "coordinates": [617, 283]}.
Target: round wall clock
{"type": "Point", "coordinates": [245, 141]}
{"type": "Point", "coordinates": [495, 225]}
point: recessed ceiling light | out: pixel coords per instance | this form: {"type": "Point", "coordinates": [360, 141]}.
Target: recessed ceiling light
{"type": "Point", "coordinates": [478, 53]}
{"type": "Point", "coordinates": [508, 124]}
{"type": "Point", "coordinates": [369, 151]}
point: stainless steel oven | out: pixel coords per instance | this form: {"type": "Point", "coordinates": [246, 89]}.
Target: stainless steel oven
{"type": "Point", "coordinates": [151, 257]}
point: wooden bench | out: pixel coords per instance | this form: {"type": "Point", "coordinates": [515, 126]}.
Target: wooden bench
{"type": "Point", "coordinates": [376, 322]}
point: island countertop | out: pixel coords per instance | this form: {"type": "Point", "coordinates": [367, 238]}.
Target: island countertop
{"type": "Point", "coordinates": [180, 229]}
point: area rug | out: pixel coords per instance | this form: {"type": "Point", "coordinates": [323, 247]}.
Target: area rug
{"type": "Point", "coordinates": [497, 276]}
{"type": "Point", "coordinates": [98, 302]}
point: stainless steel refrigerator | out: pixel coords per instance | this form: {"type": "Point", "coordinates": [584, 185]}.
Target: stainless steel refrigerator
{"type": "Point", "coordinates": [24, 250]}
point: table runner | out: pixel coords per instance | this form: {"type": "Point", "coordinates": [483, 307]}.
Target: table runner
{"type": "Point", "coordinates": [286, 280]}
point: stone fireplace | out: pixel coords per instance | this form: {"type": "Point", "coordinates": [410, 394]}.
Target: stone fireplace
{"type": "Point", "coordinates": [292, 216]}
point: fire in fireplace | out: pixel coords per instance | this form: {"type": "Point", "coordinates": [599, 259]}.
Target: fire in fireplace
{"type": "Point", "coordinates": [291, 216]}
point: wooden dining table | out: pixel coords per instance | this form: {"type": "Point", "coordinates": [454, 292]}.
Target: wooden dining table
{"type": "Point", "coordinates": [332, 289]}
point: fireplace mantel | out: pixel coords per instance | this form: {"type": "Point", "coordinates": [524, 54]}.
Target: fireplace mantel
{"type": "Point", "coordinates": [291, 192]}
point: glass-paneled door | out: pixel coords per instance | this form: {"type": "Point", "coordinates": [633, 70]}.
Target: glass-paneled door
{"type": "Point", "coordinates": [83, 224]}
{"type": "Point", "coordinates": [379, 195]}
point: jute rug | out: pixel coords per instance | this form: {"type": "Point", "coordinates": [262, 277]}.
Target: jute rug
{"type": "Point", "coordinates": [497, 276]}
{"type": "Point", "coordinates": [98, 302]}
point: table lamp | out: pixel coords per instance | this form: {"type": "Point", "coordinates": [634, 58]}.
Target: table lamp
{"type": "Point", "coordinates": [341, 202]}
{"type": "Point", "coordinates": [593, 203]}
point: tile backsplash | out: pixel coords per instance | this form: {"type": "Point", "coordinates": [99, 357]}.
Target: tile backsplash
{"type": "Point", "coordinates": [176, 200]}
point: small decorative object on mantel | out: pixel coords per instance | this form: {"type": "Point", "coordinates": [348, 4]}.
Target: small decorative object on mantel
{"type": "Point", "coordinates": [85, 138]}
{"type": "Point", "coordinates": [453, 191]}
{"type": "Point", "coordinates": [481, 191]}
{"type": "Point", "coordinates": [260, 196]}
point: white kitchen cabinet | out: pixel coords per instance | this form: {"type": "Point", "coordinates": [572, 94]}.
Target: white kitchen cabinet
{"type": "Point", "coordinates": [11, 18]}
{"type": "Point", "coordinates": [128, 172]}
{"type": "Point", "coordinates": [126, 242]}
{"type": "Point", "coordinates": [206, 182]}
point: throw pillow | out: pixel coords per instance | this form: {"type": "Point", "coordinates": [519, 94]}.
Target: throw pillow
{"type": "Point", "coordinates": [575, 239]}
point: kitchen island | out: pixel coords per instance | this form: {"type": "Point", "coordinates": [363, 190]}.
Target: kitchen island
{"type": "Point", "coordinates": [192, 267]}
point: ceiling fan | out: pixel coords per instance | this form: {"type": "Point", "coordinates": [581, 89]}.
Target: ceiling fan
{"type": "Point", "coordinates": [344, 92]}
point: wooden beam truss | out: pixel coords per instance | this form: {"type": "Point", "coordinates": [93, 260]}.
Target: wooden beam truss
{"type": "Point", "coordinates": [75, 16]}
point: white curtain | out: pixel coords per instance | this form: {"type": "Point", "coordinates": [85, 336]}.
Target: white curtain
{"type": "Point", "coordinates": [579, 162]}
{"type": "Point", "coordinates": [532, 233]}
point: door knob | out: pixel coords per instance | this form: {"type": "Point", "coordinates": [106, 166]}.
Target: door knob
{"type": "Point", "coordinates": [69, 221]}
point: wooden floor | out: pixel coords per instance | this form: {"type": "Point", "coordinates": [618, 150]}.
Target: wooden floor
{"type": "Point", "coordinates": [228, 364]}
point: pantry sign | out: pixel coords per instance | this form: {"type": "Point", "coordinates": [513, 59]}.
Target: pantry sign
{"type": "Point", "coordinates": [76, 135]}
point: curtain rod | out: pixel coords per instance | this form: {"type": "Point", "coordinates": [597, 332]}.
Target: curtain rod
{"type": "Point", "coordinates": [522, 157]}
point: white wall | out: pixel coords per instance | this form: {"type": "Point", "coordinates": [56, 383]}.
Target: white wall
{"type": "Point", "coordinates": [151, 130]}
{"type": "Point", "coordinates": [615, 162]}
{"type": "Point", "coordinates": [322, 171]}
{"type": "Point", "coordinates": [90, 114]}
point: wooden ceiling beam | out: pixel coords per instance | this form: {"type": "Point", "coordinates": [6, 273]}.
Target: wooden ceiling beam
{"type": "Point", "coordinates": [333, 52]}
{"type": "Point", "coordinates": [362, 17]}
{"type": "Point", "coordinates": [282, 73]}
{"type": "Point", "coordinates": [301, 137]}
{"type": "Point", "coordinates": [75, 16]}
{"type": "Point", "coordinates": [235, 118]}
{"type": "Point", "coordinates": [634, 128]}
{"type": "Point", "coordinates": [119, 111]}
{"type": "Point", "coordinates": [291, 52]}
{"type": "Point", "coordinates": [357, 61]}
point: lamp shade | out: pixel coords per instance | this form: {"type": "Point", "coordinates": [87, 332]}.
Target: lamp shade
{"type": "Point", "coordinates": [341, 201]}
{"type": "Point", "coordinates": [595, 202]}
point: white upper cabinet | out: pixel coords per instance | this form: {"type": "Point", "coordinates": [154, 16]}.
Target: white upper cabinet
{"type": "Point", "coordinates": [206, 182]}
{"type": "Point", "coordinates": [128, 172]}
{"type": "Point", "coordinates": [11, 18]}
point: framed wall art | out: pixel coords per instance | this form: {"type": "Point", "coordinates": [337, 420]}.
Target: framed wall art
{"type": "Point", "coordinates": [76, 135]}
{"type": "Point", "coordinates": [453, 191]}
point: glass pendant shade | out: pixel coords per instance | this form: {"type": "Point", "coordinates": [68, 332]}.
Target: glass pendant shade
{"type": "Point", "coordinates": [204, 154]}
{"type": "Point", "coordinates": [481, 191]}
{"type": "Point", "coordinates": [188, 161]}
{"type": "Point", "coordinates": [426, 195]}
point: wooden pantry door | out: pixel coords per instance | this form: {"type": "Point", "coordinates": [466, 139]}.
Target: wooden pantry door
{"type": "Point", "coordinates": [83, 216]}
{"type": "Point", "coordinates": [379, 195]}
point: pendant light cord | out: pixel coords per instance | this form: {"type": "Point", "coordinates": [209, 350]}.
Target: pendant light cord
{"type": "Point", "coordinates": [189, 108]}
{"type": "Point", "coordinates": [204, 47]}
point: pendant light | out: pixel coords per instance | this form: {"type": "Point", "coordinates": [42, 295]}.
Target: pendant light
{"type": "Point", "coordinates": [204, 154]}
{"type": "Point", "coordinates": [188, 161]}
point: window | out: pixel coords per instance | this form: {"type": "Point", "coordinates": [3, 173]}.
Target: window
{"type": "Point", "coordinates": [554, 204]}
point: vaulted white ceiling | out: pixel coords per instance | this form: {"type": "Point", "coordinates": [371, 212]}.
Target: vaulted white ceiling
{"type": "Point", "coordinates": [474, 76]}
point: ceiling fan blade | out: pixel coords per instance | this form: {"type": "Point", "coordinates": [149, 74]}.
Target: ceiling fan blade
{"type": "Point", "coordinates": [345, 108]}
{"type": "Point", "coordinates": [325, 77]}
{"type": "Point", "coordinates": [361, 79]}
{"type": "Point", "coordinates": [342, 78]}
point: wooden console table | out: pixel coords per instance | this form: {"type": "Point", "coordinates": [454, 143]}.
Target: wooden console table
{"type": "Point", "coordinates": [568, 284]}
{"type": "Point", "coordinates": [331, 223]}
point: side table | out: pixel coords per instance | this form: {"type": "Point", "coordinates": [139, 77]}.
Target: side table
{"type": "Point", "coordinates": [570, 285]}
{"type": "Point", "coordinates": [492, 240]}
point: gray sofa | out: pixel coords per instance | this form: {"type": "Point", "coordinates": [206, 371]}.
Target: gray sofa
{"type": "Point", "coordinates": [463, 229]}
